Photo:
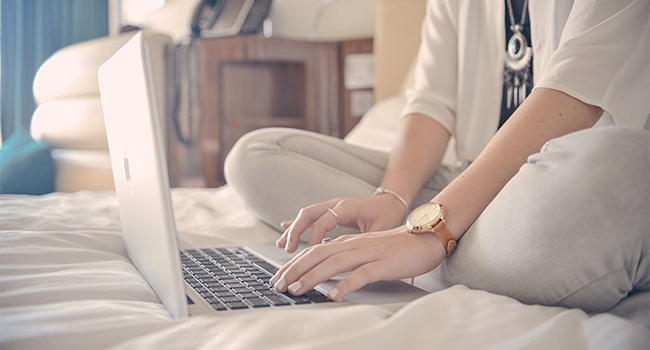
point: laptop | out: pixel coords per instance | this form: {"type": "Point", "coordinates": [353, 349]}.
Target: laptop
{"type": "Point", "coordinates": [191, 280]}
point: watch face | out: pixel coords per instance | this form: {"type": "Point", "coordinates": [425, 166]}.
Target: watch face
{"type": "Point", "coordinates": [424, 215]}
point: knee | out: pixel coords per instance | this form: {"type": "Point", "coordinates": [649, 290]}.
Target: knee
{"type": "Point", "coordinates": [605, 167]}
{"type": "Point", "coordinates": [600, 154]}
{"type": "Point", "coordinates": [570, 229]}
{"type": "Point", "coordinates": [243, 161]}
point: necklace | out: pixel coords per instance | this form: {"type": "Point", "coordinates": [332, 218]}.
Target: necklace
{"type": "Point", "coordinates": [516, 73]}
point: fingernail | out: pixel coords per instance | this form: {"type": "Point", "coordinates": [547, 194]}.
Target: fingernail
{"type": "Point", "coordinates": [287, 246]}
{"type": "Point", "coordinates": [272, 280]}
{"type": "Point", "coordinates": [277, 243]}
{"type": "Point", "coordinates": [281, 284]}
{"type": "Point", "coordinates": [295, 287]}
{"type": "Point", "coordinates": [333, 293]}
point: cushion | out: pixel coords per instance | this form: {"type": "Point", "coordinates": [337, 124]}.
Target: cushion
{"type": "Point", "coordinates": [26, 166]}
{"type": "Point", "coordinates": [71, 123]}
{"type": "Point", "coordinates": [78, 170]}
{"type": "Point", "coordinates": [72, 70]}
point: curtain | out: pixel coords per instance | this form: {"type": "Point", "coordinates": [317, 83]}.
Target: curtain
{"type": "Point", "coordinates": [31, 31]}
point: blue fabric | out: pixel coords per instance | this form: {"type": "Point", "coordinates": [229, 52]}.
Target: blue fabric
{"type": "Point", "coordinates": [26, 166]}
{"type": "Point", "coordinates": [32, 30]}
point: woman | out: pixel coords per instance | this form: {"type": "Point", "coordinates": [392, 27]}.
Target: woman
{"type": "Point", "coordinates": [551, 209]}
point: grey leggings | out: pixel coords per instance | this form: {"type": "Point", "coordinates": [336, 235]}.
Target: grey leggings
{"type": "Point", "coordinates": [570, 229]}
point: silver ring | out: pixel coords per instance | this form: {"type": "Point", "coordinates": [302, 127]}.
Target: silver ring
{"type": "Point", "coordinates": [326, 240]}
{"type": "Point", "coordinates": [338, 223]}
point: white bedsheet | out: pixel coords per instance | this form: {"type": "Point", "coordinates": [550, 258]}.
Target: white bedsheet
{"type": "Point", "coordinates": [65, 283]}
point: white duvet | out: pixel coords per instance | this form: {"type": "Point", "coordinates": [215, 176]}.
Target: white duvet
{"type": "Point", "coordinates": [66, 283]}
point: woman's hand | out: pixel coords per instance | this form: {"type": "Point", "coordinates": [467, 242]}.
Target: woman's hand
{"type": "Point", "coordinates": [372, 257]}
{"type": "Point", "coordinates": [368, 214]}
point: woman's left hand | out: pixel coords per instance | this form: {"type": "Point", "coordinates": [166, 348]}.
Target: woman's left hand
{"type": "Point", "coordinates": [379, 256]}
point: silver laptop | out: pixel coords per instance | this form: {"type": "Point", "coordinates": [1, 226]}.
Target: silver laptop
{"type": "Point", "coordinates": [190, 281]}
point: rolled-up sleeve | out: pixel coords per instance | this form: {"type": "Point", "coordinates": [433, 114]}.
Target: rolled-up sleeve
{"type": "Point", "coordinates": [434, 89]}
{"type": "Point", "coordinates": [603, 58]}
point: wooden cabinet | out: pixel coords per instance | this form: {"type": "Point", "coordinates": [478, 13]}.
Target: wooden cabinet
{"type": "Point", "coordinates": [245, 83]}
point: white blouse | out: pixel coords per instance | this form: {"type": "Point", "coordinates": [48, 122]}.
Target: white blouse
{"type": "Point", "coordinates": [594, 50]}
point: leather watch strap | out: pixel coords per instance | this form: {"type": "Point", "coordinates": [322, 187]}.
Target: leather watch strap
{"type": "Point", "coordinates": [445, 236]}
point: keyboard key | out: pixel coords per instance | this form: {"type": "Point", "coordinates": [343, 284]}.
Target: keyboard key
{"type": "Point", "coordinates": [214, 283]}
{"type": "Point", "coordinates": [218, 290]}
{"type": "Point", "coordinates": [237, 305]}
{"type": "Point", "coordinates": [225, 294]}
{"type": "Point", "coordinates": [230, 299]}
{"type": "Point", "coordinates": [241, 289]}
{"type": "Point", "coordinates": [298, 300]}
{"type": "Point", "coordinates": [248, 295]}
{"type": "Point", "coordinates": [260, 274]}
{"type": "Point", "coordinates": [268, 267]}
{"type": "Point", "coordinates": [230, 281]}
{"type": "Point", "coordinates": [257, 302]}
{"type": "Point", "coordinates": [317, 297]}
{"type": "Point", "coordinates": [212, 299]}
{"type": "Point", "coordinates": [277, 300]}
{"type": "Point", "coordinates": [219, 307]}
{"type": "Point", "coordinates": [267, 292]}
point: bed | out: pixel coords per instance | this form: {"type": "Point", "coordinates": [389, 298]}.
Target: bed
{"type": "Point", "coordinates": [66, 283]}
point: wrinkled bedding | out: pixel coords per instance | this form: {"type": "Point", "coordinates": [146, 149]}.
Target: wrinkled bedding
{"type": "Point", "coordinates": [66, 283]}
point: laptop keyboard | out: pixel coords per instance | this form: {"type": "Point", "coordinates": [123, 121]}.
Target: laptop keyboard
{"type": "Point", "coordinates": [232, 278]}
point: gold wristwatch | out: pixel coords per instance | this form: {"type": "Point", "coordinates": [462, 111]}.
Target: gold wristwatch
{"type": "Point", "coordinates": [430, 217]}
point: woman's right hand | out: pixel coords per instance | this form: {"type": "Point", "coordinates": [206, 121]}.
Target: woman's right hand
{"type": "Point", "coordinates": [367, 214]}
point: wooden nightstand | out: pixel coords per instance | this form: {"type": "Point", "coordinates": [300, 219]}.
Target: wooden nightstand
{"type": "Point", "coordinates": [249, 82]}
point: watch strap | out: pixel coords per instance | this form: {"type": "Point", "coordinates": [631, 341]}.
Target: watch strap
{"type": "Point", "coordinates": [445, 236]}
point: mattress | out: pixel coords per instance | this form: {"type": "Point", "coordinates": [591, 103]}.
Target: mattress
{"type": "Point", "coordinates": [66, 283]}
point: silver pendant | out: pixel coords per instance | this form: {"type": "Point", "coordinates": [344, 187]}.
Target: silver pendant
{"type": "Point", "coordinates": [516, 73]}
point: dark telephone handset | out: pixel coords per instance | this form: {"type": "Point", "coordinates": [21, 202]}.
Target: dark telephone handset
{"type": "Point", "coordinates": [205, 15]}
{"type": "Point", "coordinates": [215, 18]}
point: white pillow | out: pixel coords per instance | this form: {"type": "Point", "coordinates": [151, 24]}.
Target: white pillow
{"type": "Point", "coordinates": [72, 70]}
{"type": "Point", "coordinates": [71, 123]}
{"type": "Point", "coordinates": [82, 170]}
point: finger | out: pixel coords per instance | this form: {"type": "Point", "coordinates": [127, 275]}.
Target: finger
{"type": "Point", "coordinates": [321, 226]}
{"type": "Point", "coordinates": [330, 267]}
{"type": "Point", "coordinates": [345, 211]}
{"type": "Point", "coordinates": [280, 243]}
{"type": "Point", "coordinates": [363, 275]}
{"type": "Point", "coordinates": [278, 275]}
{"type": "Point", "coordinates": [305, 261]}
{"type": "Point", "coordinates": [274, 280]}
{"type": "Point", "coordinates": [305, 218]}
{"type": "Point", "coordinates": [286, 224]}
